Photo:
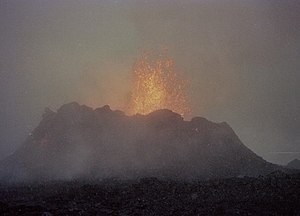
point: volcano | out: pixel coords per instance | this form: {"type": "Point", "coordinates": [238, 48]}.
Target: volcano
{"type": "Point", "coordinates": [80, 142]}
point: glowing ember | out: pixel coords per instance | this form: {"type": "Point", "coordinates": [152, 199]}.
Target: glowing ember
{"type": "Point", "coordinates": [156, 86]}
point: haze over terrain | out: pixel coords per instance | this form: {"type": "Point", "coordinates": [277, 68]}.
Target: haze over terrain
{"type": "Point", "coordinates": [77, 142]}
{"type": "Point", "coordinates": [241, 59]}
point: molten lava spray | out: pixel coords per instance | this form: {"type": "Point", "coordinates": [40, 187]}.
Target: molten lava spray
{"type": "Point", "coordinates": [157, 86]}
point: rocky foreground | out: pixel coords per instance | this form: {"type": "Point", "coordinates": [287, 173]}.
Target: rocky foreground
{"type": "Point", "coordinates": [274, 194]}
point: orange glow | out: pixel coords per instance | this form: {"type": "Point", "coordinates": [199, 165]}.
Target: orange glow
{"type": "Point", "coordinates": [157, 86]}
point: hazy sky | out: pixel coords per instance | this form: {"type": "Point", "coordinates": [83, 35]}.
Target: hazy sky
{"type": "Point", "coordinates": [242, 60]}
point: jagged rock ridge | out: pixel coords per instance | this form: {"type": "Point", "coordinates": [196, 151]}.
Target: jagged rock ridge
{"type": "Point", "coordinates": [79, 142]}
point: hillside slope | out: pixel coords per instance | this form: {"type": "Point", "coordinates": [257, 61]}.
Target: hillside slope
{"type": "Point", "coordinates": [79, 142]}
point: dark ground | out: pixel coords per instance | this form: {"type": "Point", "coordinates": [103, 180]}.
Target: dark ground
{"type": "Point", "coordinates": [275, 194]}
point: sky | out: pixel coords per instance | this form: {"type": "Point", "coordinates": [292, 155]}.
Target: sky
{"type": "Point", "coordinates": [240, 58]}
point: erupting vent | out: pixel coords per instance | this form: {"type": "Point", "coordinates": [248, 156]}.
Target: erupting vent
{"type": "Point", "coordinates": [157, 86]}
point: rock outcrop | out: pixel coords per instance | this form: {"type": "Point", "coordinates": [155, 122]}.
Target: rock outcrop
{"type": "Point", "coordinates": [294, 164]}
{"type": "Point", "coordinates": [80, 142]}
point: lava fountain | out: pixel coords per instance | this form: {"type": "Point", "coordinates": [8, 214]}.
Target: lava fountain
{"type": "Point", "coordinates": [157, 86]}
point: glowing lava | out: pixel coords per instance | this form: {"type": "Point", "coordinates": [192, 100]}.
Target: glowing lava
{"type": "Point", "coordinates": [157, 86]}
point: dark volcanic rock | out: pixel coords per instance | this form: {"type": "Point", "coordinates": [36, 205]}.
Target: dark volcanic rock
{"type": "Point", "coordinates": [294, 164]}
{"type": "Point", "coordinates": [274, 194]}
{"type": "Point", "coordinates": [79, 142]}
